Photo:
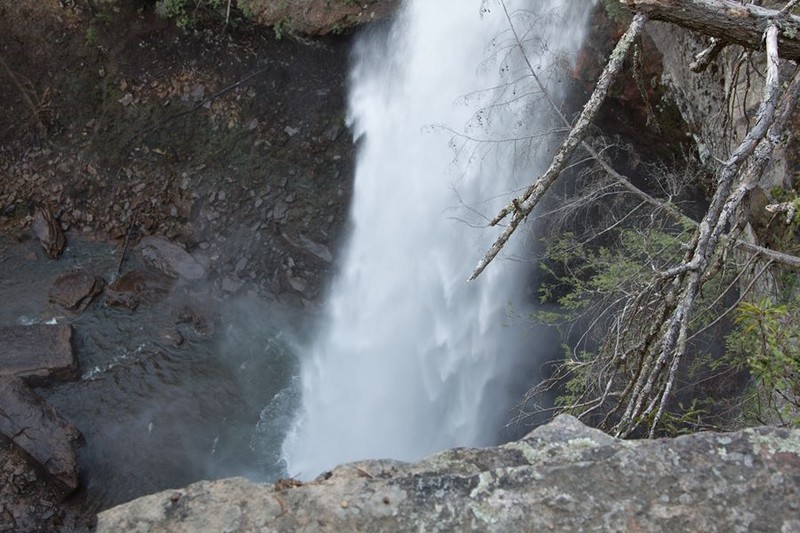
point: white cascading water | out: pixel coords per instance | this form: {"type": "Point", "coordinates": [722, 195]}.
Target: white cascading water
{"type": "Point", "coordinates": [412, 359]}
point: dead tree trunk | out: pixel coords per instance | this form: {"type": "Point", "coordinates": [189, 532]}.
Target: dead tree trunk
{"type": "Point", "coordinates": [731, 22]}
{"type": "Point", "coordinates": [672, 295]}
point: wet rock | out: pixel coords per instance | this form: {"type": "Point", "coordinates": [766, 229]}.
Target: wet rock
{"type": "Point", "coordinates": [298, 284]}
{"type": "Point", "coordinates": [27, 501]}
{"type": "Point", "coordinates": [199, 311]}
{"type": "Point", "coordinates": [137, 287]}
{"type": "Point", "coordinates": [39, 353]}
{"type": "Point", "coordinates": [279, 211]}
{"type": "Point", "coordinates": [170, 258]}
{"type": "Point", "coordinates": [75, 290]}
{"type": "Point", "coordinates": [32, 424]}
{"type": "Point", "coordinates": [171, 336]}
{"type": "Point", "coordinates": [230, 284]}
{"type": "Point", "coordinates": [320, 251]}
{"type": "Point", "coordinates": [562, 477]}
{"type": "Point", "coordinates": [49, 232]}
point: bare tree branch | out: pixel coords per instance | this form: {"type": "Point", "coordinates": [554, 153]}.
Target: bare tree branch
{"type": "Point", "coordinates": [687, 279]}
{"type": "Point", "coordinates": [521, 207]}
{"type": "Point", "coordinates": [645, 320]}
{"type": "Point", "coordinates": [707, 56]}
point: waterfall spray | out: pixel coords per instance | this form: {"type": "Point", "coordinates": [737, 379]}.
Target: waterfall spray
{"type": "Point", "coordinates": [412, 359]}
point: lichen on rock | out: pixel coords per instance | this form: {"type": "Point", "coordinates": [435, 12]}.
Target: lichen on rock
{"type": "Point", "coordinates": [562, 476]}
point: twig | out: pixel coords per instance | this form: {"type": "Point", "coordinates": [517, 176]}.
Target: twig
{"type": "Point", "coordinates": [127, 238]}
{"type": "Point", "coordinates": [789, 6]}
{"type": "Point", "coordinates": [707, 56]}
{"type": "Point", "coordinates": [365, 473]}
{"type": "Point", "coordinates": [35, 109]}
{"type": "Point", "coordinates": [790, 208]}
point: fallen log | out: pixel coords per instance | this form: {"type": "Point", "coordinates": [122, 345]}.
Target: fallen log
{"type": "Point", "coordinates": [729, 21]}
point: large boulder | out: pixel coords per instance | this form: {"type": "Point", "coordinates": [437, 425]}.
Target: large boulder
{"type": "Point", "coordinates": [563, 476]}
{"type": "Point", "coordinates": [39, 353]}
{"type": "Point", "coordinates": [35, 427]}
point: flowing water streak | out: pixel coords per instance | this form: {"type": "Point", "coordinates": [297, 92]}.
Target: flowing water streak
{"type": "Point", "coordinates": [412, 358]}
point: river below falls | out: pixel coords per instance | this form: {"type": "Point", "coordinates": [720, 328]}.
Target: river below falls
{"type": "Point", "coordinates": [155, 415]}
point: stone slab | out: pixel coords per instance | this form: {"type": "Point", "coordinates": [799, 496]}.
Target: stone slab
{"type": "Point", "coordinates": [562, 477]}
{"type": "Point", "coordinates": [35, 427]}
{"type": "Point", "coordinates": [75, 290]}
{"type": "Point", "coordinates": [40, 353]}
{"type": "Point", "coordinates": [171, 258]}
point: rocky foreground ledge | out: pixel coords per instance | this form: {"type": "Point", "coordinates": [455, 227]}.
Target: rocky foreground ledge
{"type": "Point", "coordinates": [562, 476]}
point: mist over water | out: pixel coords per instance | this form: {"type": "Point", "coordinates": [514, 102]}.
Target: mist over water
{"type": "Point", "coordinates": [412, 359]}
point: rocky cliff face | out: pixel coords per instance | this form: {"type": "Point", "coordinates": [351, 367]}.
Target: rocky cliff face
{"type": "Point", "coordinates": [720, 103]}
{"type": "Point", "coordinates": [562, 476]}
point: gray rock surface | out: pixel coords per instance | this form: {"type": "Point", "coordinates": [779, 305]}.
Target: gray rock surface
{"type": "Point", "coordinates": [703, 97]}
{"type": "Point", "coordinates": [39, 353]}
{"type": "Point", "coordinates": [562, 476]}
{"type": "Point", "coordinates": [318, 250]}
{"type": "Point", "coordinates": [32, 425]}
{"type": "Point", "coordinates": [170, 258]}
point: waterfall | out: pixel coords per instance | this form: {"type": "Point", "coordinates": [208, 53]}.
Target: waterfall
{"type": "Point", "coordinates": [411, 358]}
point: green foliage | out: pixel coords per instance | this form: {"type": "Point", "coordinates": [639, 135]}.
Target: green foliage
{"type": "Point", "coordinates": [616, 12]}
{"type": "Point", "coordinates": [247, 11]}
{"type": "Point", "coordinates": [767, 339]}
{"type": "Point", "coordinates": [338, 29]}
{"type": "Point", "coordinates": [185, 13]}
{"type": "Point", "coordinates": [280, 29]}
{"type": "Point", "coordinates": [579, 368]}
{"type": "Point", "coordinates": [685, 417]}
{"type": "Point", "coordinates": [590, 280]}
{"type": "Point", "coordinates": [601, 289]}
{"type": "Point", "coordinates": [582, 273]}
{"type": "Point", "coordinates": [91, 36]}
{"type": "Point", "coordinates": [587, 281]}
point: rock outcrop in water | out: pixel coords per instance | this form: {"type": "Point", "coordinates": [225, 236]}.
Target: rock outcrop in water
{"type": "Point", "coordinates": [39, 353]}
{"type": "Point", "coordinates": [32, 425]}
{"type": "Point", "coordinates": [562, 476]}
{"type": "Point", "coordinates": [75, 290]}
